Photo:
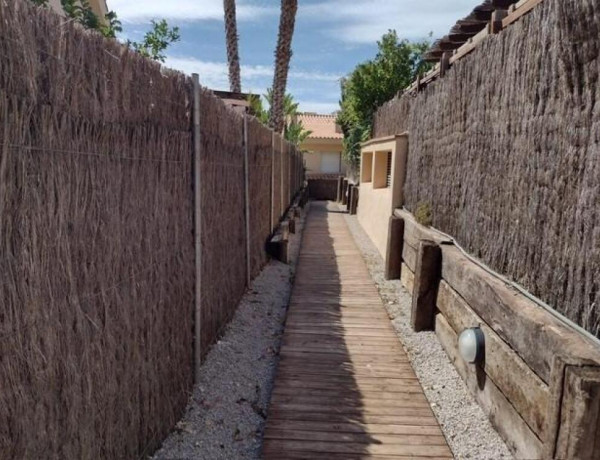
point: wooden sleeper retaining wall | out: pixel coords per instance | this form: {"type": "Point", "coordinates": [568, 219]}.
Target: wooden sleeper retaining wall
{"type": "Point", "coordinates": [540, 380]}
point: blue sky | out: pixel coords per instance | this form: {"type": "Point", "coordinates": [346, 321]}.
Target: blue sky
{"type": "Point", "coordinates": [331, 37]}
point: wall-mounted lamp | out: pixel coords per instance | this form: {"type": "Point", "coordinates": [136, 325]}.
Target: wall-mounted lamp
{"type": "Point", "coordinates": [471, 345]}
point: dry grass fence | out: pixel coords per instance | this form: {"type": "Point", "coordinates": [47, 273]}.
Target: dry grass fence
{"type": "Point", "coordinates": [505, 150]}
{"type": "Point", "coordinates": [96, 238]}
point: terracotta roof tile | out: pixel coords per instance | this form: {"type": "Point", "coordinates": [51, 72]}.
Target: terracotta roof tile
{"type": "Point", "coordinates": [322, 126]}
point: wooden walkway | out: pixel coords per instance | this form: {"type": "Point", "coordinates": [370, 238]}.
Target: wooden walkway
{"type": "Point", "coordinates": [344, 387]}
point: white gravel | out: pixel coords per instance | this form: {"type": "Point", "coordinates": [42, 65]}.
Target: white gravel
{"type": "Point", "coordinates": [465, 425]}
{"type": "Point", "coordinates": [225, 416]}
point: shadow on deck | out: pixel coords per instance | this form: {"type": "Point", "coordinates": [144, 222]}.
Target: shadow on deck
{"type": "Point", "coordinates": [344, 386]}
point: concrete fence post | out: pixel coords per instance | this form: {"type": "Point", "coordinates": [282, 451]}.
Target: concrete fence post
{"type": "Point", "coordinates": [197, 145]}
{"type": "Point", "coordinates": [247, 200]}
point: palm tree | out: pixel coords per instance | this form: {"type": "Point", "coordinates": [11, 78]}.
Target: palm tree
{"type": "Point", "coordinates": [293, 130]}
{"type": "Point", "coordinates": [231, 36]}
{"type": "Point", "coordinates": [283, 54]}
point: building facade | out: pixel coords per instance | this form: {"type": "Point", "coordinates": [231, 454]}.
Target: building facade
{"type": "Point", "coordinates": [98, 6]}
{"type": "Point", "coordinates": [323, 147]}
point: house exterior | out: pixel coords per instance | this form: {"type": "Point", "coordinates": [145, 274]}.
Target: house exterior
{"type": "Point", "coordinates": [323, 147]}
{"type": "Point", "coordinates": [98, 6]}
{"type": "Point", "coordinates": [239, 101]}
{"type": "Point", "coordinates": [382, 177]}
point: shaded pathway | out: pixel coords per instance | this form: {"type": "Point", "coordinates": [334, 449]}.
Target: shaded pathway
{"type": "Point", "coordinates": [344, 386]}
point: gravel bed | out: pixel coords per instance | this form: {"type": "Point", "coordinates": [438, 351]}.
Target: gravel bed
{"type": "Point", "coordinates": [465, 425]}
{"type": "Point", "coordinates": [225, 416]}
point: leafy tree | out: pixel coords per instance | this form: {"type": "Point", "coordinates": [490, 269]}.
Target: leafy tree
{"type": "Point", "coordinates": [157, 40]}
{"type": "Point", "coordinates": [293, 130]}
{"type": "Point", "coordinates": [111, 26]}
{"type": "Point", "coordinates": [295, 133]}
{"type": "Point", "coordinates": [257, 107]}
{"type": "Point", "coordinates": [80, 11]}
{"type": "Point", "coordinates": [396, 65]}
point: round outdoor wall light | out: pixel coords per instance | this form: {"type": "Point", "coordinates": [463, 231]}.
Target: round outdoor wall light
{"type": "Point", "coordinates": [471, 345]}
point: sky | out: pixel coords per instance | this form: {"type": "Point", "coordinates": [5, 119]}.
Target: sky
{"type": "Point", "coordinates": [331, 37]}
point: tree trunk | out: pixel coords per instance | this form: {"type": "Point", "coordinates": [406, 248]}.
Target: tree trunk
{"type": "Point", "coordinates": [283, 54]}
{"type": "Point", "coordinates": [231, 36]}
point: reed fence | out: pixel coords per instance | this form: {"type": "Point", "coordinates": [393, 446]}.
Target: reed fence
{"type": "Point", "coordinates": [97, 237]}
{"type": "Point", "coordinates": [504, 152]}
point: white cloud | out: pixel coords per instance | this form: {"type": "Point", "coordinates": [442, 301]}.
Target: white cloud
{"type": "Point", "coordinates": [135, 11]}
{"type": "Point", "coordinates": [365, 21]}
{"type": "Point", "coordinates": [256, 78]}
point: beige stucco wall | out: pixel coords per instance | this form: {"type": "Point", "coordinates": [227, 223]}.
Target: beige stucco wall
{"type": "Point", "coordinates": [312, 162]}
{"type": "Point", "coordinates": [313, 149]}
{"type": "Point", "coordinates": [98, 6]}
{"type": "Point", "coordinates": [56, 6]}
{"type": "Point", "coordinates": [374, 211]}
{"type": "Point", "coordinates": [376, 205]}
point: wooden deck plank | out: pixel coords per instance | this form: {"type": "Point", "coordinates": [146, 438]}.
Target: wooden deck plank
{"type": "Point", "coordinates": [332, 435]}
{"type": "Point", "coordinates": [344, 386]}
{"type": "Point", "coordinates": [354, 428]}
{"type": "Point", "coordinates": [423, 450]}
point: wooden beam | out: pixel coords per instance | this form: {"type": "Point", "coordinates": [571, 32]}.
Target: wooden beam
{"type": "Point", "coordinates": [529, 395]}
{"type": "Point", "coordinates": [502, 414]}
{"type": "Point", "coordinates": [444, 63]}
{"type": "Point", "coordinates": [503, 4]}
{"type": "Point", "coordinates": [471, 27]}
{"type": "Point", "coordinates": [482, 14]}
{"type": "Point", "coordinates": [340, 188]}
{"type": "Point", "coordinates": [535, 334]}
{"type": "Point", "coordinates": [431, 75]}
{"type": "Point", "coordinates": [277, 247]}
{"type": "Point", "coordinates": [427, 278]}
{"type": "Point", "coordinates": [285, 229]}
{"type": "Point", "coordinates": [407, 278]}
{"type": "Point", "coordinates": [349, 196]}
{"type": "Point", "coordinates": [354, 201]}
{"type": "Point", "coordinates": [470, 45]}
{"type": "Point", "coordinates": [409, 255]}
{"type": "Point", "coordinates": [459, 37]}
{"type": "Point", "coordinates": [414, 232]}
{"type": "Point", "coordinates": [558, 406]}
{"type": "Point", "coordinates": [393, 258]}
{"type": "Point", "coordinates": [446, 45]}
{"type": "Point", "coordinates": [344, 192]}
{"type": "Point", "coordinates": [579, 434]}
{"type": "Point", "coordinates": [496, 22]}
{"type": "Point", "coordinates": [521, 9]}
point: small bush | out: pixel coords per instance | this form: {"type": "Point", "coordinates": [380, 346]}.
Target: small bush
{"type": "Point", "coordinates": [424, 214]}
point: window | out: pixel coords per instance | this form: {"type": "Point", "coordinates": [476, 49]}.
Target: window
{"type": "Point", "coordinates": [388, 180]}
{"type": "Point", "coordinates": [330, 163]}
{"type": "Point", "coordinates": [382, 170]}
{"type": "Point", "coordinates": [366, 167]}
